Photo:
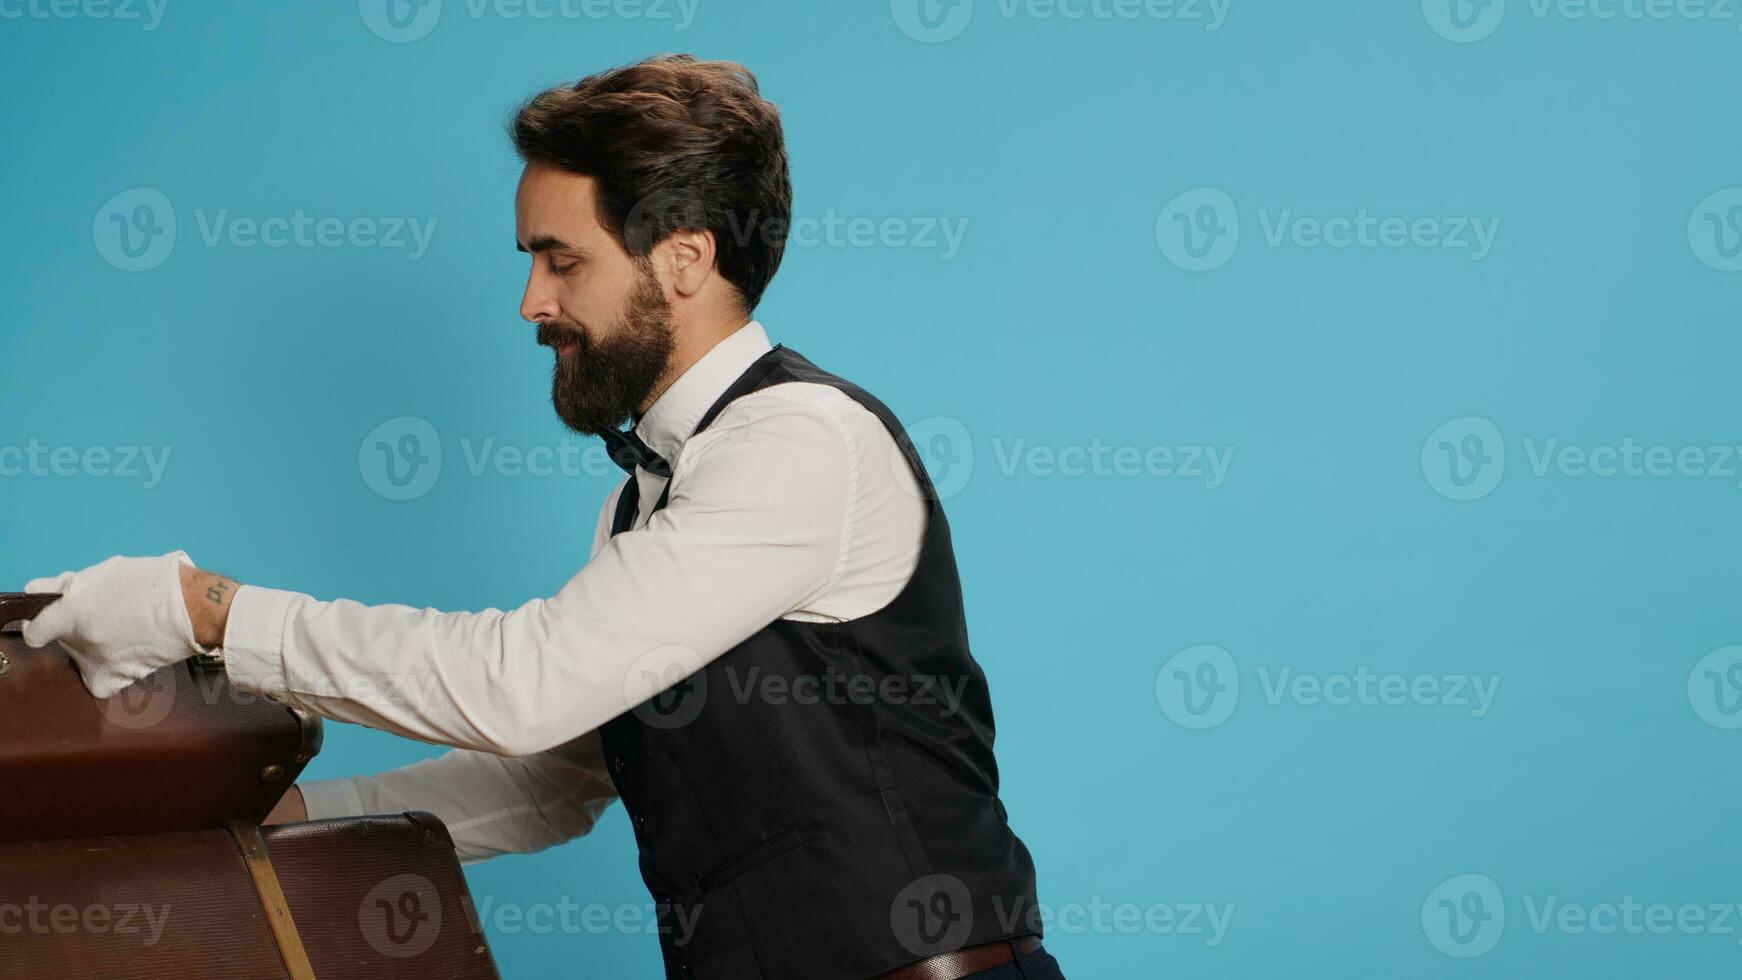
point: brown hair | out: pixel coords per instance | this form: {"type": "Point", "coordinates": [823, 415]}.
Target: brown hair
{"type": "Point", "coordinates": [674, 143]}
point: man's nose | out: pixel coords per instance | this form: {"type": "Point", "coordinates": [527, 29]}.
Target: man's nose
{"type": "Point", "coordinates": [538, 303]}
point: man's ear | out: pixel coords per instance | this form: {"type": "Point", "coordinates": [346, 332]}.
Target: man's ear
{"type": "Point", "coordinates": [686, 257]}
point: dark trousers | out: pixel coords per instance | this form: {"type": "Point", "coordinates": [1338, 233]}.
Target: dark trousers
{"type": "Point", "coordinates": [1038, 965]}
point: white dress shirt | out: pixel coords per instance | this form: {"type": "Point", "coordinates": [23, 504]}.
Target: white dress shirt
{"type": "Point", "coordinates": [794, 504]}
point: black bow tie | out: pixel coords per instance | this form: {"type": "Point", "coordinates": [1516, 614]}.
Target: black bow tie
{"type": "Point", "coordinates": [628, 450]}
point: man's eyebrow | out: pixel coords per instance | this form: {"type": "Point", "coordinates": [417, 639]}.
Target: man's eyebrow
{"type": "Point", "coordinates": [546, 243]}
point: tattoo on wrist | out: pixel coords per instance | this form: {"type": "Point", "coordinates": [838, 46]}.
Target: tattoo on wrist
{"type": "Point", "coordinates": [219, 591]}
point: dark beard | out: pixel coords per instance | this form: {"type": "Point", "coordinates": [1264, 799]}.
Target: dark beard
{"type": "Point", "coordinates": [602, 384]}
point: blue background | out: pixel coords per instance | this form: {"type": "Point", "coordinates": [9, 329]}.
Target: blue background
{"type": "Point", "coordinates": [1329, 547]}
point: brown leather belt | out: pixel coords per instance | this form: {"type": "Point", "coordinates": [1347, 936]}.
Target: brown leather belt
{"type": "Point", "coordinates": [965, 962]}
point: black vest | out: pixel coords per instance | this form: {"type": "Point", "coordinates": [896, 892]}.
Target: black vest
{"type": "Point", "coordinates": [821, 802]}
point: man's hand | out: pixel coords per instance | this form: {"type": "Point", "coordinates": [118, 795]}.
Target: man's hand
{"type": "Point", "coordinates": [120, 620]}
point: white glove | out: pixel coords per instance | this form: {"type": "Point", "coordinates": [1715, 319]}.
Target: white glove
{"type": "Point", "coordinates": [120, 620]}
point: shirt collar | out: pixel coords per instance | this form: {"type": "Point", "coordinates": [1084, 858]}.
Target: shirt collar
{"type": "Point", "coordinates": [672, 418]}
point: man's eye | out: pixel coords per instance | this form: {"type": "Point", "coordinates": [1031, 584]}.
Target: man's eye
{"type": "Point", "coordinates": [563, 270]}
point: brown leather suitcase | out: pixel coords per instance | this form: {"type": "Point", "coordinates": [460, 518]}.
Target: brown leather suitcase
{"type": "Point", "coordinates": [180, 750]}
{"type": "Point", "coordinates": [365, 898]}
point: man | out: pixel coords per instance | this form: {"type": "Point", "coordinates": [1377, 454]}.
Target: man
{"type": "Point", "coordinates": [765, 658]}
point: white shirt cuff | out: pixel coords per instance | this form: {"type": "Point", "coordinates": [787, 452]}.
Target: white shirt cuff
{"type": "Point", "coordinates": [331, 798]}
{"type": "Point", "coordinates": [254, 640]}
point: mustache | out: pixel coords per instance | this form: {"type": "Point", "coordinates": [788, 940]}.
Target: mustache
{"type": "Point", "coordinates": [550, 334]}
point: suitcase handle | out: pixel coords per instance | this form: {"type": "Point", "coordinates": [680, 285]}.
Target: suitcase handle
{"type": "Point", "coordinates": [16, 607]}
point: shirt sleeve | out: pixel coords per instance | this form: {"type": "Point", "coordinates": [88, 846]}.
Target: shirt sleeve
{"type": "Point", "coordinates": [753, 530]}
{"type": "Point", "coordinates": [491, 804]}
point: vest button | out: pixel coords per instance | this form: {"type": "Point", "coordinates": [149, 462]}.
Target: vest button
{"type": "Point", "coordinates": [618, 763]}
